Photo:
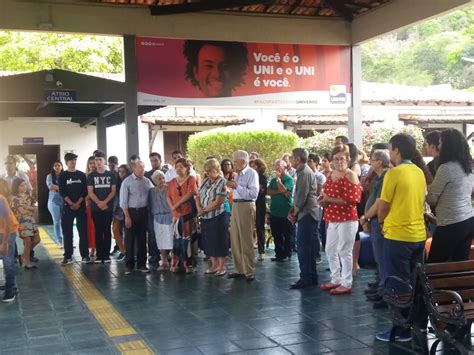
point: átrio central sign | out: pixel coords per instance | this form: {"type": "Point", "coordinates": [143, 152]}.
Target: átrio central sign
{"type": "Point", "coordinates": [191, 72]}
{"type": "Point", "coordinates": [59, 95]}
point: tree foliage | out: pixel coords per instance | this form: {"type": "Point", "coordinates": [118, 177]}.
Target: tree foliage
{"type": "Point", "coordinates": [427, 54]}
{"type": "Point", "coordinates": [322, 143]}
{"type": "Point", "coordinates": [30, 51]}
{"type": "Point", "coordinates": [222, 142]}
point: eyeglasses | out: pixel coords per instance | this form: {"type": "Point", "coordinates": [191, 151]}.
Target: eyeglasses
{"type": "Point", "coordinates": [339, 159]}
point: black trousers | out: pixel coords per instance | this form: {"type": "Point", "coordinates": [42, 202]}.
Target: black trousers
{"type": "Point", "coordinates": [136, 236]}
{"type": "Point", "coordinates": [260, 212]}
{"type": "Point", "coordinates": [151, 241]}
{"type": "Point", "coordinates": [322, 231]}
{"type": "Point", "coordinates": [452, 242]}
{"type": "Point", "coordinates": [103, 234]}
{"type": "Point", "coordinates": [282, 232]}
{"type": "Point", "coordinates": [67, 222]}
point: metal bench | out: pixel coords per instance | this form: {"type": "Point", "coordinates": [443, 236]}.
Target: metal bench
{"type": "Point", "coordinates": [448, 293]}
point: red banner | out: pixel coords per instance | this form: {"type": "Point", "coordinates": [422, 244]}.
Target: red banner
{"type": "Point", "coordinates": [189, 72]}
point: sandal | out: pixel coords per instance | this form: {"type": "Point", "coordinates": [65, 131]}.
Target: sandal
{"type": "Point", "coordinates": [221, 273]}
{"type": "Point", "coordinates": [189, 270]}
{"type": "Point", "coordinates": [162, 268]}
{"type": "Point", "coordinates": [340, 291]}
{"type": "Point", "coordinates": [210, 271]}
{"type": "Point", "coordinates": [328, 286]}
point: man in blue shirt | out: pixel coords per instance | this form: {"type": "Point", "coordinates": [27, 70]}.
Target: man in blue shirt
{"type": "Point", "coordinates": [134, 203]}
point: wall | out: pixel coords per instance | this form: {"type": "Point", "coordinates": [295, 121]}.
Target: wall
{"type": "Point", "coordinates": [68, 135]}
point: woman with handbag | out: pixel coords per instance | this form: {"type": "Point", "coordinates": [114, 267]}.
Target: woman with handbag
{"type": "Point", "coordinates": [180, 196]}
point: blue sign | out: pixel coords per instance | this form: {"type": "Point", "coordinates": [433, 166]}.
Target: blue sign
{"type": "Point", "coordinates": [60, 95]}
{"type": "Point", "coordinates": [33, 140]}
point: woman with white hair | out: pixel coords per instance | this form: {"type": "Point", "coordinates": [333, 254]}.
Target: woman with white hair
{"type": "Point", "coordinates": [162, 218]}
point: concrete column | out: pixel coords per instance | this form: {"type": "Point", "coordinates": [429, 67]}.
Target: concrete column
{"type": "Point", "coordinates": [101, 134]}
{"type": "Point", "coordinates": [355, 111]}
{"type": "Point", "coordinates": [131, 105]}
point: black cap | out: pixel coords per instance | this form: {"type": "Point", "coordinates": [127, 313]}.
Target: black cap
{"type": "Point", "coordinates": [99, 154]}
{"type": "Point", "coordinates": [69, 156]}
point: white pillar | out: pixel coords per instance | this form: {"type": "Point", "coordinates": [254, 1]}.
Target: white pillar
{"type": "Point", "coordinates": [354, 113]}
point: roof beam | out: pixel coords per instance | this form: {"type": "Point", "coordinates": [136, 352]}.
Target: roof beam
{"type": "Point", "coordinates": [338, 5]}
{"type": "Point", "coordinates": [398, 14]}
{"type": "Point", "coordinates": [203, 5]}
{"type": "Point", "coordinates": [88, 122]}
{"type": "Point", "coordinates": [111, 110]}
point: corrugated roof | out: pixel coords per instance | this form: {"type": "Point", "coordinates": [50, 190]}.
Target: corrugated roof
{"type": "Point", "coordinates": [347, 9]}
{"type": "Point", "coordinates": [322, 119]}
{"type": "Point", "coordinates": [194, 120]}
{"type": "Point", "coordinates": [430, 118]}
{"type": "Point", "coordinates": [392, 94]}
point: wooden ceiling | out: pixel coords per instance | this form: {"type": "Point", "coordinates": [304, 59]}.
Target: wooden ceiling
{"type": "Point", "coordinates": [347, 9]}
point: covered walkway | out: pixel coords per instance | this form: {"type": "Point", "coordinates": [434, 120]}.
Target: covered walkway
{"type": "Point", "coordinates": [95, 309]}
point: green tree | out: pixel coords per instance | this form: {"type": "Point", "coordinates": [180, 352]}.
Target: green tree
{"type": "Point", "coordinates": [28, 51]}
{"type": "Point", "coordinates": [426, 54]}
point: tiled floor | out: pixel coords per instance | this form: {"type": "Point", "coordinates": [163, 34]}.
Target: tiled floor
{"type": "Point", "coordinates": [193, 314]}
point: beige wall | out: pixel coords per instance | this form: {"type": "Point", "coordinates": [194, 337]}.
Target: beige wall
{"type": "Point", "coordinates": [76, 16]}
{"type": "Point", "coordinates": [69, 136]}
{"type": "Point", "coordinates": [86, 17]}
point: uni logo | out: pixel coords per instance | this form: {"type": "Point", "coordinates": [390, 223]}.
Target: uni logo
{"type": "Point", "coordinates": [337, 94]}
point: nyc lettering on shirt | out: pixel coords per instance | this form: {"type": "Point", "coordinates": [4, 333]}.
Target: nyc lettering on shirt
{"type": "Point", "coordinates": [101, 182]}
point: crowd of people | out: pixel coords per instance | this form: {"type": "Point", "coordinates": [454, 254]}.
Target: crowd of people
{"type": "Point", "coordinates": [161, 218]}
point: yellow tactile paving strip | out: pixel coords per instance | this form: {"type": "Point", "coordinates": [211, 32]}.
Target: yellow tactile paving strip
{"type": "Point", "coordinates": [110, 320]}
{"type": "Point", "coordinates": [134, 347]}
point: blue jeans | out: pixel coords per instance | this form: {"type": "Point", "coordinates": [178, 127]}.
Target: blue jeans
{"type": "Point", "coordinates": [377, 244]}
{"type": "Point", "coordinates": [56, 213]}
{"type": "Point", "coordinates": [400, 260]}
{"type": "Point", "coordinates": [306, 245]}
{"type": "Point", "coordinates": [9, 269]}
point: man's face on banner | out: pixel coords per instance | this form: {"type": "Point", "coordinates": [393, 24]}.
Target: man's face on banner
{"type": "Point", "coordinates": [213, 71]}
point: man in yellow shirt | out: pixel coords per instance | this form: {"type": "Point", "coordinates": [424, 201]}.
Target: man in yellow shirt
{"type": "Point", "coordinates": [8, 230]}
{"type": "Point", "coordinates": [401, 213]}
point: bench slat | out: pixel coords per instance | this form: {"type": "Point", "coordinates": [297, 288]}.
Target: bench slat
{"type": "Point", "coordinates": [451, 283]}
{"type": "Point", "coordinates": [450, 274]}
{"type": "Point", "coordinates": [448, 267]}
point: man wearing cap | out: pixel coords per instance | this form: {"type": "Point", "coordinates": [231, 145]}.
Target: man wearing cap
{"type": "Point", "coordinates": [101, 185]}
{"type": "Point", "coordinates": [73, 189]}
